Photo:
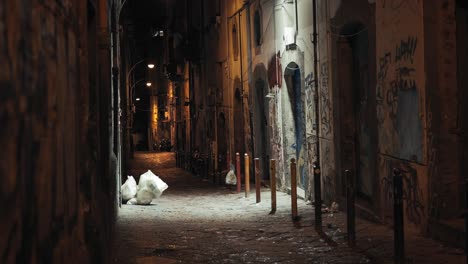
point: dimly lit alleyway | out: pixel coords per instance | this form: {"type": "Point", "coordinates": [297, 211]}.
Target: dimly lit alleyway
{"type": "Point", "coordinates": [358, 103]}
{"type": "Point", "coordinates": [196, 221]}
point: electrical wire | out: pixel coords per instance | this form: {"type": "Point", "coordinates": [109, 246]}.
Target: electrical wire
{"type": "Point", "coordinates": [349, 35]}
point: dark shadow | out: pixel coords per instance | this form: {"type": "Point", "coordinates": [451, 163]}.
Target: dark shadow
{"type": "Point", "coordinates": [326, 238]}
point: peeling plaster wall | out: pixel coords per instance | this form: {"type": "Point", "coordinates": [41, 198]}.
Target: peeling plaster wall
{"type": "Point", "coordinates": [401, 116]}
{"type": "Point", "coordinates": [302, 56]}
{"type": "Point", "coordinates": [276, 18]}
{"type": "Point", "coordinates": [401, 83]}
{"type": "Point", "coordinates": [236, 43]}
{"type": "Point", "coordinates": [326, 99]}
{"type": "Point", "coordinates": [401, 105]}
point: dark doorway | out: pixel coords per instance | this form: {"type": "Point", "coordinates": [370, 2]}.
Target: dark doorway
{"type": "Point", "coordinates": [260, 125]}
{"type": "Point", "coordinates": [222, 143]}
{"type": "Point", "coordinates": [239, 137]}
{"type": "Point", "coordinates": [357, 128]}
{"type": "Point", "coordinates": [294, 123]}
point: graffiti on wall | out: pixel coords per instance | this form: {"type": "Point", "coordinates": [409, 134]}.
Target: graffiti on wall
{"type": "Point", "coordinates": [327, 171]}
{"type": "Point", "coordinates": [309, 101]}
{"type": "Point", "coordinates": [310, 109]}
{"type": "Point", "coordinates": [325, 104]}
{"type": "Point", "coordinates": [309, 81]}
{"type": "Point", "coordinates": [384, 63]}
{"type": "Point", "coordinates": [397, 98]}
{"type": "Point", "coordinates": [396, 5]}
{"type": "Point", "coordinates": [412, 191]}
{"type": "Point", "coordinates": [406, 49]}
{"type": "Point", "coordinates": [275, 140]}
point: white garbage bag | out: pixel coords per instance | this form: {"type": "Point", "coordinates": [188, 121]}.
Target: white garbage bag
{"type": "Point", "coordinates": [132, 201]}
{"type": "Point", "coordinates": [129, 188]}
{"type": "Point", "coordinates": [144, 196]}
{"type": "Point", "coordinates": [231, 178]}
{"type": "Point", "coordinates": [150, 186]}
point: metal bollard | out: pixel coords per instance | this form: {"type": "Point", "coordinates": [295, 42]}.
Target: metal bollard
{"type": "Point", "coordinates": [257, 179]}
{"type": "Point", "coordinates": [247, 175]}
{"type": "Point", "coordinates": [399, 231]}
{"type": "Point", "coordinates": [273, 185]}
{"type": "Point", "coordinates": [238, 172]}
{"type": "Point", "coordinates": [318, 197]}
{"type": "Point", "coordinates": [350, 208]}
{"type": "Point", "coordinates": [293, 189]}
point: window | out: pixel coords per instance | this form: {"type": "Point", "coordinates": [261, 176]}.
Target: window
{"type": "Point", "coordinates": [258, 28]}
{"type": "Point", "coordinates": [235, 41]}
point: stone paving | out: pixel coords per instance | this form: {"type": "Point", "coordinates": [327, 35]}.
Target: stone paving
{"type": "Point", "coordinates": [196, 221]}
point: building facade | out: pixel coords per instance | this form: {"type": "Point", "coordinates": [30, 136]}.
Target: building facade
{"type": "Point", "coordinates": [391, 76]}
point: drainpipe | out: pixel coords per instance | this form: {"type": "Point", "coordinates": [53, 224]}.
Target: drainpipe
{"type": "Point", "coordinates": [317, 173]}
{"type": "Point", "coordinates": [241, 64]}
{"type": "Point", "coordinates": [297, 20]}
{"type": "Point", "coordinates": [316, 97]}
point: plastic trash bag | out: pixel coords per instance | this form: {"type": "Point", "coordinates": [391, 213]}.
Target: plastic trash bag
{"type": "Point", "coordinates": [132, 201]}
{"type": "Point", "coordinates": [129, 188]}
{"type": "Point", "coordinates": [144, 196]}
{"type": "Point", "coordinates": [231, 178]}
{"type": "Point", "coordinates": [150, 186]}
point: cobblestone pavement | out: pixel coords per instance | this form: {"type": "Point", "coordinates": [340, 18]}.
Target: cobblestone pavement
{"type": "Point", "coordinates": [196, 221]}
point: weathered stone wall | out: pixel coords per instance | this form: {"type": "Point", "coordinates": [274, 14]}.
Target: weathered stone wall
{"type": "Point", "coordinates": [57, 194]}
{"type": "Point", "coordinates": [443, 119]}
{"type": "Point", "coordinates": [401, 105]}
{"type": "Point", "coordinates": [406, 113]}
{"type": "Point", "coordinates": [347, 104]}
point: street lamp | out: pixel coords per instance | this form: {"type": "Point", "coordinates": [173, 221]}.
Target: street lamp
{"type": "Point", "coordinates": [130, 105]}
{"type": "Point", "coordinates": [150, 66]}
{"type": "Point", "coordinates": [132, 89]}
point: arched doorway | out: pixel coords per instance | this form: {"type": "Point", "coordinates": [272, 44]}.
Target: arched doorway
{"type": "Point", "coordinates": [294, 123]}
{"type": "Point", "coordinates": [261, 119]}
{"type": "Point", "coordinates": [356, 112]}
{"type": "Point", "coordinates": [222, 139]}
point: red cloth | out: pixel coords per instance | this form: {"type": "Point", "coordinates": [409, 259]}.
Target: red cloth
{"type": "Point", "coordinates": [275, 71]}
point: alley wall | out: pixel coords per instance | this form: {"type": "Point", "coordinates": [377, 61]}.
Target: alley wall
{"type": "Point", "coordinates": [388, 97]}
{"type": "Point", "coordinates": [57, 190]}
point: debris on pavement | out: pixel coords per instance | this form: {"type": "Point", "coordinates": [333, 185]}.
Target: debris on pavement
{"type": "Point", "coordinates": [334, 207]}
{"type": "Point", "coordinates": [149, 187]}
{"type": "Point", "coordinates": [231, 178]}
{"type": "Point", "coordinates": [129, 188]}
{"type": "Point", "coordinates": [330, 210]}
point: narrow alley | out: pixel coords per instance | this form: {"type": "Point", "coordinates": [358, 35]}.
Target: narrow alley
{"type": "Point", "coordinates": [197, 221]}
{"type": "Point", "coordinates": [351, 111]}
